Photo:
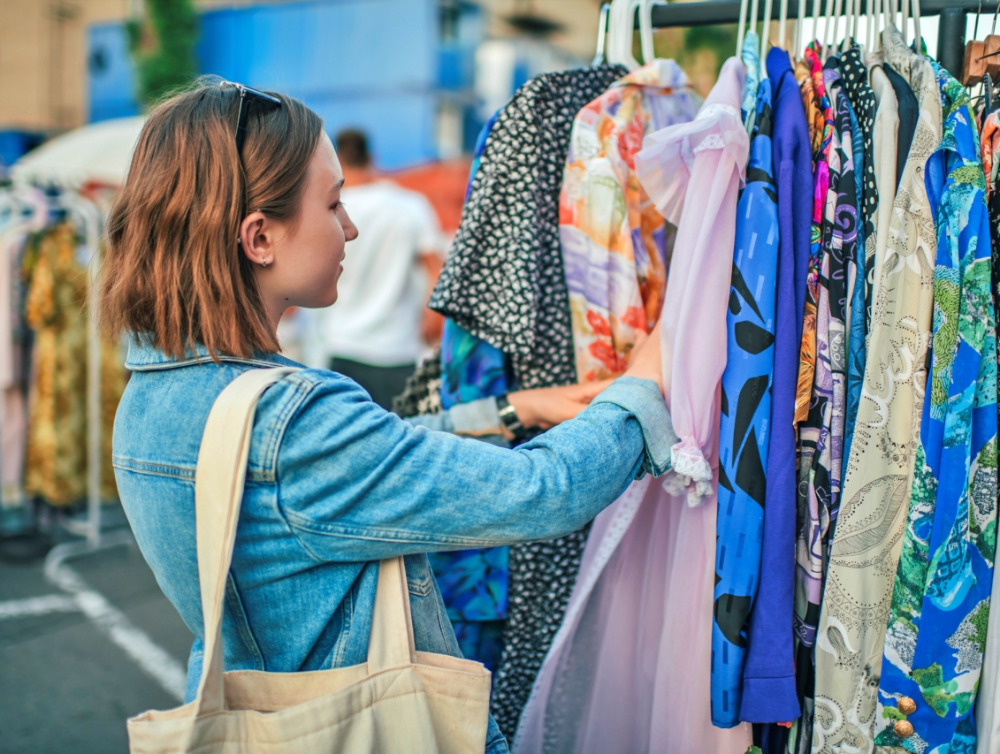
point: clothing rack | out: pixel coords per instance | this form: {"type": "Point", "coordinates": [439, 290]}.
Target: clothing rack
{"type": "Point", "coordinates": [951, 28]}
{"type": "Point", "coordinates": [88, 217]}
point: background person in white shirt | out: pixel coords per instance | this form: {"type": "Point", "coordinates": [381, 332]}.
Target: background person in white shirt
{"type": "Point", "coordinates": [381, 326]}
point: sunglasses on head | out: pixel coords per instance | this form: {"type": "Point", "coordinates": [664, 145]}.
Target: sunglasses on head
{"type": "Point", "coordinates": [246, 95]}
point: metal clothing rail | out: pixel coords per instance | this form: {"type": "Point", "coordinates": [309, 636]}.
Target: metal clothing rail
{"type": "Point", "coordinates": [951, 28]}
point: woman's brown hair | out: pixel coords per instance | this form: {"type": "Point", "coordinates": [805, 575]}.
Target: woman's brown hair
{"type": "Point", "coordinates": [173, 270]}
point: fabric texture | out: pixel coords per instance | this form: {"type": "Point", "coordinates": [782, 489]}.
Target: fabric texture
{"type": "Point", "coordinates": [862, 101]}
{"type": "Point", "coordinates": [769, 687]}
{"type": "Point", "coordinates": [909, 111]}
{"type": "Point", "coordinates": [867, 542]}
{"type": "Point", "coordinates": [616, 247]}
{"type": "Point", "coordinates": [504, 282]}
{"type": "Point", "coordinates": [941, 598]}
{"type": "Point", "coordinates": [821, 181]}
{"type": "Point", "coordinates": [745, 421]}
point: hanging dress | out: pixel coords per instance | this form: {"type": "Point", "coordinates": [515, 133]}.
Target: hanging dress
{"type": "Point", "coordinates": [877, 486]}
{"type": "Point", "coordinates": [629, 669]}
{"type": "Point", "coordinates": [769, 689]}
{"type": "Point", "coordinates": [988, 701]}
{"type": "Point", "coordinates": [941, 598]}
{"type": "Point", "coordinates": [745, 423]}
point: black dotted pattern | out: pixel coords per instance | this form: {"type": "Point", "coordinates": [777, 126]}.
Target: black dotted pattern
{"type": "Point", "coordinates": [504, 282]}
{"type": "Point", "coordinates": [862, 98]}
{"type": "Point", "coordinates": [422, 394]}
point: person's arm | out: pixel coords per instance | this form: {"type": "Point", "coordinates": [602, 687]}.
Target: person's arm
{"type": "Point", "coordinates": [542, 408]}
{"type": "Point", "coordinates": [431, 323]}
{"type": "Point", "coordinates": [358, 483]}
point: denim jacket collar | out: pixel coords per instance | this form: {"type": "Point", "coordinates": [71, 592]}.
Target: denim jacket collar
{"type": "Point", "coordinates": [143, 356]}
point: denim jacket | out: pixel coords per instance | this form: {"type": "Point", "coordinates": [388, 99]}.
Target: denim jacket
{"type": "Point", "coordinates": [335, 484]}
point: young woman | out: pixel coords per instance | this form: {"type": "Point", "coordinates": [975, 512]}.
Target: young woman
{"type": "Point", "coordinates": [230, 215]}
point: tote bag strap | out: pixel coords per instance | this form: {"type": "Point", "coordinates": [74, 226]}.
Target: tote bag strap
{"type": "Point", "coordinates": [390, 644]}
{"type": "Point", "coordinates": [218, 492]}
{"type": "Point", "coordinates": [219, 479]}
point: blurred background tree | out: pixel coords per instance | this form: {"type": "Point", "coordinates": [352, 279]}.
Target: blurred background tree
{"type": "Point", "coordinates": [162, 46]}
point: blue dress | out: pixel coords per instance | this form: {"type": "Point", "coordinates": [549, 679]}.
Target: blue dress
{"type": "Point", "coordinates": [746, 411]}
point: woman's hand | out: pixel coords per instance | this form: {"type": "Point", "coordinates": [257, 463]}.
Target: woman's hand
{"type": "Point", "coordinates": [548, 406]}
{"type": "Point", "coordinates": [645, 361]}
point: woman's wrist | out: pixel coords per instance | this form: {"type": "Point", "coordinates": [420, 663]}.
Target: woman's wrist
{"type": "Point", "coordinates": [514, 415]}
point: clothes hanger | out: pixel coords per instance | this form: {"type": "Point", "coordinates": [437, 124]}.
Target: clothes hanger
{"type": "Point", "coordinates": [742, 27]}
{"type": "Point", "coordinates": [602, 34]}
{"type": "Point", "coordinates": [646, 30]}
{"type": "Point", "coordinates": [782, 22]}
{"type": "Point", "coordinates": [832, 29]}
{"type": "Point", "coordinates": [800, 27]}
{"type": "Point", "coordinates": [628, 33]}
{"type": "Point", "coordinates": [620, 27]}
{"type": "Point", "coordinates": [918, 37]}
{"type": "Point", "coordinates": [765, 33]}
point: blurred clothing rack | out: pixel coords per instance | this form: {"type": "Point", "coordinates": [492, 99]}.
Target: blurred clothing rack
{"type": "Point", "coordinates": [951, 28]}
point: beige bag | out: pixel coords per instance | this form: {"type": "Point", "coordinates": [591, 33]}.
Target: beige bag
{"type": "Point", "coordinates": [400, 701]}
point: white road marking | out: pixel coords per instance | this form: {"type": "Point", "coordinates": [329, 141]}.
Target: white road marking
{"type": "Point", "coordinates": [151, 658]}
{"type": "Point", "coordinates": [50, 603]}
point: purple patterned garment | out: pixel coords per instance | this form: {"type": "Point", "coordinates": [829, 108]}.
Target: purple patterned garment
{"type": "Point", "coordinates": [822, 434]}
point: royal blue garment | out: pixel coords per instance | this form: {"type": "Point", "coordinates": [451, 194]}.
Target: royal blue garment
{"type": "Point", "coordinates": [769, 693]}
{"type": "Point", "coordinates": [858, 331]}
{"type": "Point", "coordinates": [473, 583]}
{"type": "Point", "coordinates": [746, 412]}
{"type": "Point", "coordinates": [470, 367]}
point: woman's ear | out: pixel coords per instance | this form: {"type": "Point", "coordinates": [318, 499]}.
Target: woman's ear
{"type": "Point", "coordinates": [255, 239]}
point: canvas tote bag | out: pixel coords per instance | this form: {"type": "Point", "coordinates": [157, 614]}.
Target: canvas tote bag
{"type": "Point", "coordinates": [401, 700]}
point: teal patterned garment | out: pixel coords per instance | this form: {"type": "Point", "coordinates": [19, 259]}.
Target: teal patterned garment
{"type": "Point", "coordinates": [941, 595]}
{"type": "Point", "coordinates": [473, 583]}
{"type": "Point", "coordinates": [750, 56]}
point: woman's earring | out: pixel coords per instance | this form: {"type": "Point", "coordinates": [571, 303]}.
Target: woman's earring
{"type": "Point", "coordinates": [263, 264]}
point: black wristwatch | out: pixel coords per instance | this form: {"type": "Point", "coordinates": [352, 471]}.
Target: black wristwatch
{"type": "Point", "coordinates": [508, 417]}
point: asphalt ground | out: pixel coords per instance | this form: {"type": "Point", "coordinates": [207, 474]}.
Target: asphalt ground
{"type": "Point", "coordinates": [83, 647]}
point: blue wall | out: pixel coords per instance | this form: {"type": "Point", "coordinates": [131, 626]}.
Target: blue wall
{"type": "Point", "coordinates": [374, 64]}
{"type": "Point", "coordinates": [110, 79]}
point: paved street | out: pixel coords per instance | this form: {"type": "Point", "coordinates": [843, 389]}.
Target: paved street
{"type": "Point", "coordinates": [82, 652]}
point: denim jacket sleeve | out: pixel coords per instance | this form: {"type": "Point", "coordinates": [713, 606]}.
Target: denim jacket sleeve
{"type": "Point", "coordinates": [355, 482]}
{"type": "Point", "coordinates": [475, 418]}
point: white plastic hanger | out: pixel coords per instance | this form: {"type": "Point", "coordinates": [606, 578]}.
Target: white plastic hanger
{"type": "Point", "coordinates": [646, 30]}
{"type": "Point", "coordinates": [742, 28]}
{"type": "Point", "coordinates": [800, 26]}
{"type": "Point", "coordinates": [765, 33]}
{"type": "Point", "coordinates": [624, 26]}
{"type": "Point", "coordinates": [602, 34]}
{"type": "Point", "coordinates": [619, 26]}
{"type": "Point", "coordinates": [916, 27]}
{"type": "Point", "coordinates": [782, 22]}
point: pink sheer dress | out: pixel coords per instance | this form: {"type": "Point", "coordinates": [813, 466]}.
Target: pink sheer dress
{"type": "Point", "coordinates": [629, 669]}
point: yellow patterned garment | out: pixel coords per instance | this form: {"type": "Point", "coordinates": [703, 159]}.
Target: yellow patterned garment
{"type": "Point", "coordinates": [56, 309]}
{"type": "Point", "coordinates": [869, 531]}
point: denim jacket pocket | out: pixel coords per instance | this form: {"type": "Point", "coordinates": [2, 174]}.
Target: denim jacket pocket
{"type": "Point", "coordinates": [419, 577]}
